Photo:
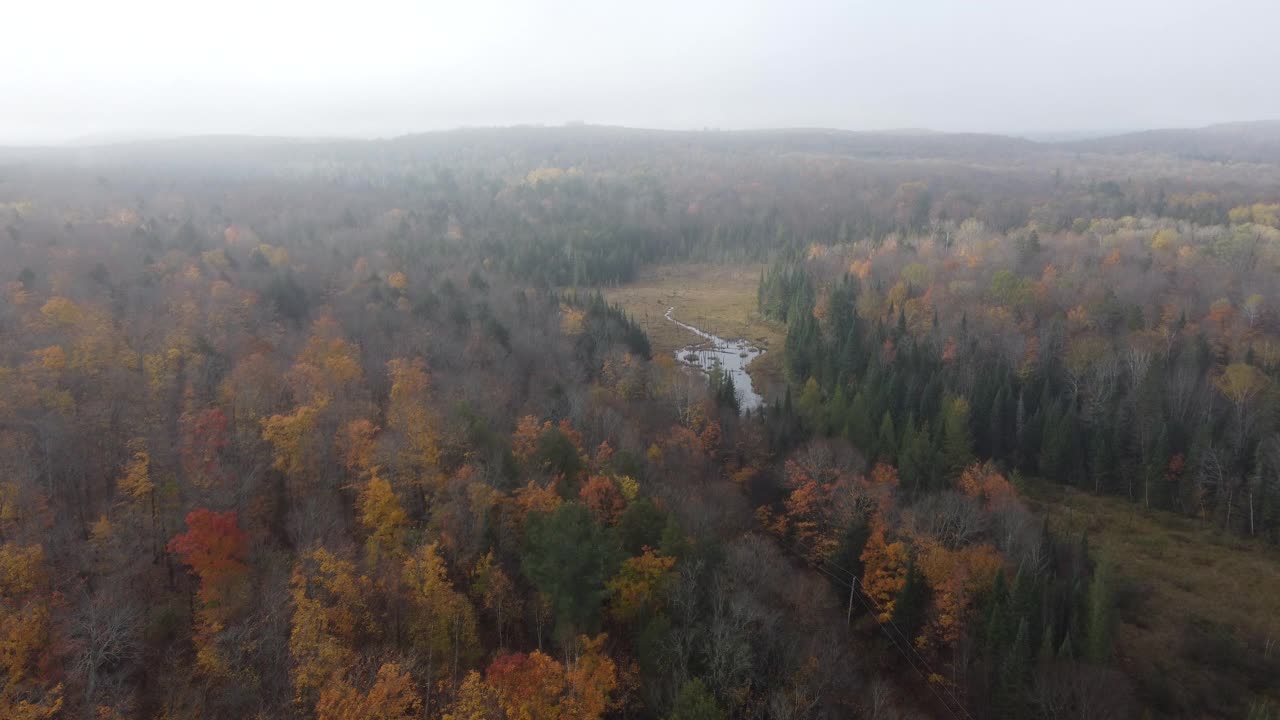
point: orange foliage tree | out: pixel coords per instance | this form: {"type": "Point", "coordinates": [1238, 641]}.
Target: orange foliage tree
{"type": "Point", "coordinates": [204, 437]}
{"type": "Point", "coordinates": [600, 495]}
{"type": "Point", "coordinates": [884, 567]}
{"type": "Point", "coordinates": [537, 687]}
{"type": "Point", "coordinates": [983, 481]}
{"type": "Point", "coordinates": [391, 697]}
{"type": "Point", "coordinates": [957, 577]}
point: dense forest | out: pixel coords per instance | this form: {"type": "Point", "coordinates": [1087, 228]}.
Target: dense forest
{"type": "Point", "coordinates": [346, 430]}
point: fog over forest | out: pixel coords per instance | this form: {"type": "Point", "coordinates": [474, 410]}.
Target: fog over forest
{"type": "Point", "coordinates": [653, 361]}
{"type": "Point", "coordinates": [78, 71]}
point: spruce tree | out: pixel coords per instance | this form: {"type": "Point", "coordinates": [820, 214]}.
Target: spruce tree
{"type": "Point", "coordinates": [1047, 652]}
{"type": "Point", "coordinates": [911, 602]}
{"type": "Point", "coordinates": [837, 409]}
{"type": "Point", "coordinates": [857, 426]}
{"type": "Point", "coordinates": [957, 442]}
{"type": "Point", "coordinates": [1008, 700]}
{"type": "Point", "coordinates": [1099, 616]}
{"type": "Point", "coordinates": [996, 441]}
{"type": "Point", "coordinates": [999, 625]}
{"type": "Point", "coordinates": [887, 440]}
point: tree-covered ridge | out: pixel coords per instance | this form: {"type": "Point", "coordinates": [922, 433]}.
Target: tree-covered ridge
{"type": "Point", "coordinates": [349, 433]}
{"type": "Point", "coordinates": [1136, 357]}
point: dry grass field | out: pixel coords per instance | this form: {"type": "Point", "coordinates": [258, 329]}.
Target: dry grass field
{"type": "Point", "coordinates": [719, 299]}
{"type": "Point", "coordinates": [1199, 620]}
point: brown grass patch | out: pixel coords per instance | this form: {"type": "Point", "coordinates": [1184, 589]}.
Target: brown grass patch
{"type": "Point", "coordinates": [1199, 611]}
{"type": "Point", "coordinates": [720, 299]}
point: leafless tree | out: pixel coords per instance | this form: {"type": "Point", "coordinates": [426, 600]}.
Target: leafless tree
{"type": "Point", "coordinates": [880, 701]}
{"type": "Point", "coordinates": [107, 635]}
{"type": "Point", "coordinates": [1072, 691]}
{"type": "Point", "coordinates": [953, 518]}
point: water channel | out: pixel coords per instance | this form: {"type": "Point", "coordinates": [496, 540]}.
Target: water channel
{"type": "Point", "coordinates": [732, 356]}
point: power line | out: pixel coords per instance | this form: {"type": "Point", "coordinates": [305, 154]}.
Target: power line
{"type": "Point", "coordinates": [857, 588]}
{"type": "Point", "coordinates": [863, 597]}
{"type": "Point", "coordinates": [905, 638]}
{"type": "Point", "coordinates": [895, 641]}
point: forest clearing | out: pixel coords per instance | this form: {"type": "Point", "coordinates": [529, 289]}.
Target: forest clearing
{"type": "Point", "coordinates": [719, 299]}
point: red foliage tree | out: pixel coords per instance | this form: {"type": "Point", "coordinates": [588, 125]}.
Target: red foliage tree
{"type": "Point", "coordinates": [215, 548]}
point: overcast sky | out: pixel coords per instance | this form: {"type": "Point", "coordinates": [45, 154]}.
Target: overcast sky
{"type": "Point", "coordinates": [74, 68]}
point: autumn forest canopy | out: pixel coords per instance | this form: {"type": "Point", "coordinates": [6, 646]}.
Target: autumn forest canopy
{"type": "Point", "coordinates": [349, 430]}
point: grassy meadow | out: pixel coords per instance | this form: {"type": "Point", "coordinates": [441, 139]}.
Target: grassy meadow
{"type": "Point", "coordinates": [720, 299]}
{"type": "Point", "coordinates": [1199, 611]}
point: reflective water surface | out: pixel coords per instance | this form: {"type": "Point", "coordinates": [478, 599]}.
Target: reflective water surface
{"type": "Point", "coordinates": [732, 356]}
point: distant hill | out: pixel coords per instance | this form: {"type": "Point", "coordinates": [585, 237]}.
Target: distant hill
{"type": "Point", "coordinates": [1230, 142]}
{"type": "Point", "coordinates": [1253, 142]}
{"type": "Point", "coordinates": [889, 144]}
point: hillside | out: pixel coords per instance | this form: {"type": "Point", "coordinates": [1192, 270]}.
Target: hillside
{"type": "Point", "coordinates": [1246, 142]}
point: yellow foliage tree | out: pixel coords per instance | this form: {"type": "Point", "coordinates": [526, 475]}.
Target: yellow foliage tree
{"type": "Point", "coordinates": [640, 586]}
{"type": "Point", "coordinates": [444, 622]}
{"type": "Point", "coordinates": [24, 635]}
{"type": "Point", "coordinates": [383, 517]}
{"type": "Point", "coordinates": [61, 312]}
{"type": "Point", "coordinates": [295, 442]}
{"type": "Point", "coordinates": [357, 445]}
{"type": "Point", "coordinates": [495, 591]}
{"type": "Point", "coordinates": [329, 617]}
{"type": "Point", "coordinates": [475, 700]}
{"type": "Point", "coordinates": [409, 415]}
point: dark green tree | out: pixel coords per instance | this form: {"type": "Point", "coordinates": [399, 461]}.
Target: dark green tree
{"type": "Point", "coordinates": [695, 702]}
{"type": "Point", "coordinates": [957, 441]}
{"type": "Point", "coordinates": [640, 525]}
{"type": "Point", "coordinates": [887, 439]}
{"type": "Point", "coordinates": [568, 557]}
{"type": "Point", "coordinates": [1099, 614]}
{"type": "Point", "coordinates": [910, 605]}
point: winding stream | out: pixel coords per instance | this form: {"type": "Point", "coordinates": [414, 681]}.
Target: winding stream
{"type": "Point", "coordinates": [732, 356]}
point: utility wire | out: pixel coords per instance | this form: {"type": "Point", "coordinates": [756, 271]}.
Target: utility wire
{"type": "Point", "coordinates": [863, 593]}
{"type": "Point", "coordinates": [863, 596]}
{"type": "Point", "coordinates": [857, 588]}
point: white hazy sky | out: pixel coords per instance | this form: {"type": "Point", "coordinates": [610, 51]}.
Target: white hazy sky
{"type": "Point", "coordinates": [72, 68]}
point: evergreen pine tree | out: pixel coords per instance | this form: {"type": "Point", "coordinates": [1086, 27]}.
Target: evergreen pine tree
{"type": "Point", "coordinates": [1266, 487]}
{"type": "Point", "coordinates": [957, 442]}
{"type": "Point", "coordinates": [836, 411]}
{"type": "Point", "coordinates": [1102, 459]}
{"type": "Point", "coordinates": [1099, 615]}
{"type": "Point", "coordinates": [857, 426]}
{"type": "Point", "coordinates": [1153, 486]}
{"type": "Point", "coordinates": [999, 620]}
{"type": "Point", "coordinates": [909, 607]}
{"type": "Point", "coordinates": [887, 440]}
{"type": "Point", "coordinates": [1008, 700]}
{"type": "Point", "coordinates": [1047, 652]}
{"type": "Point", "coordinates": [996, 429]}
